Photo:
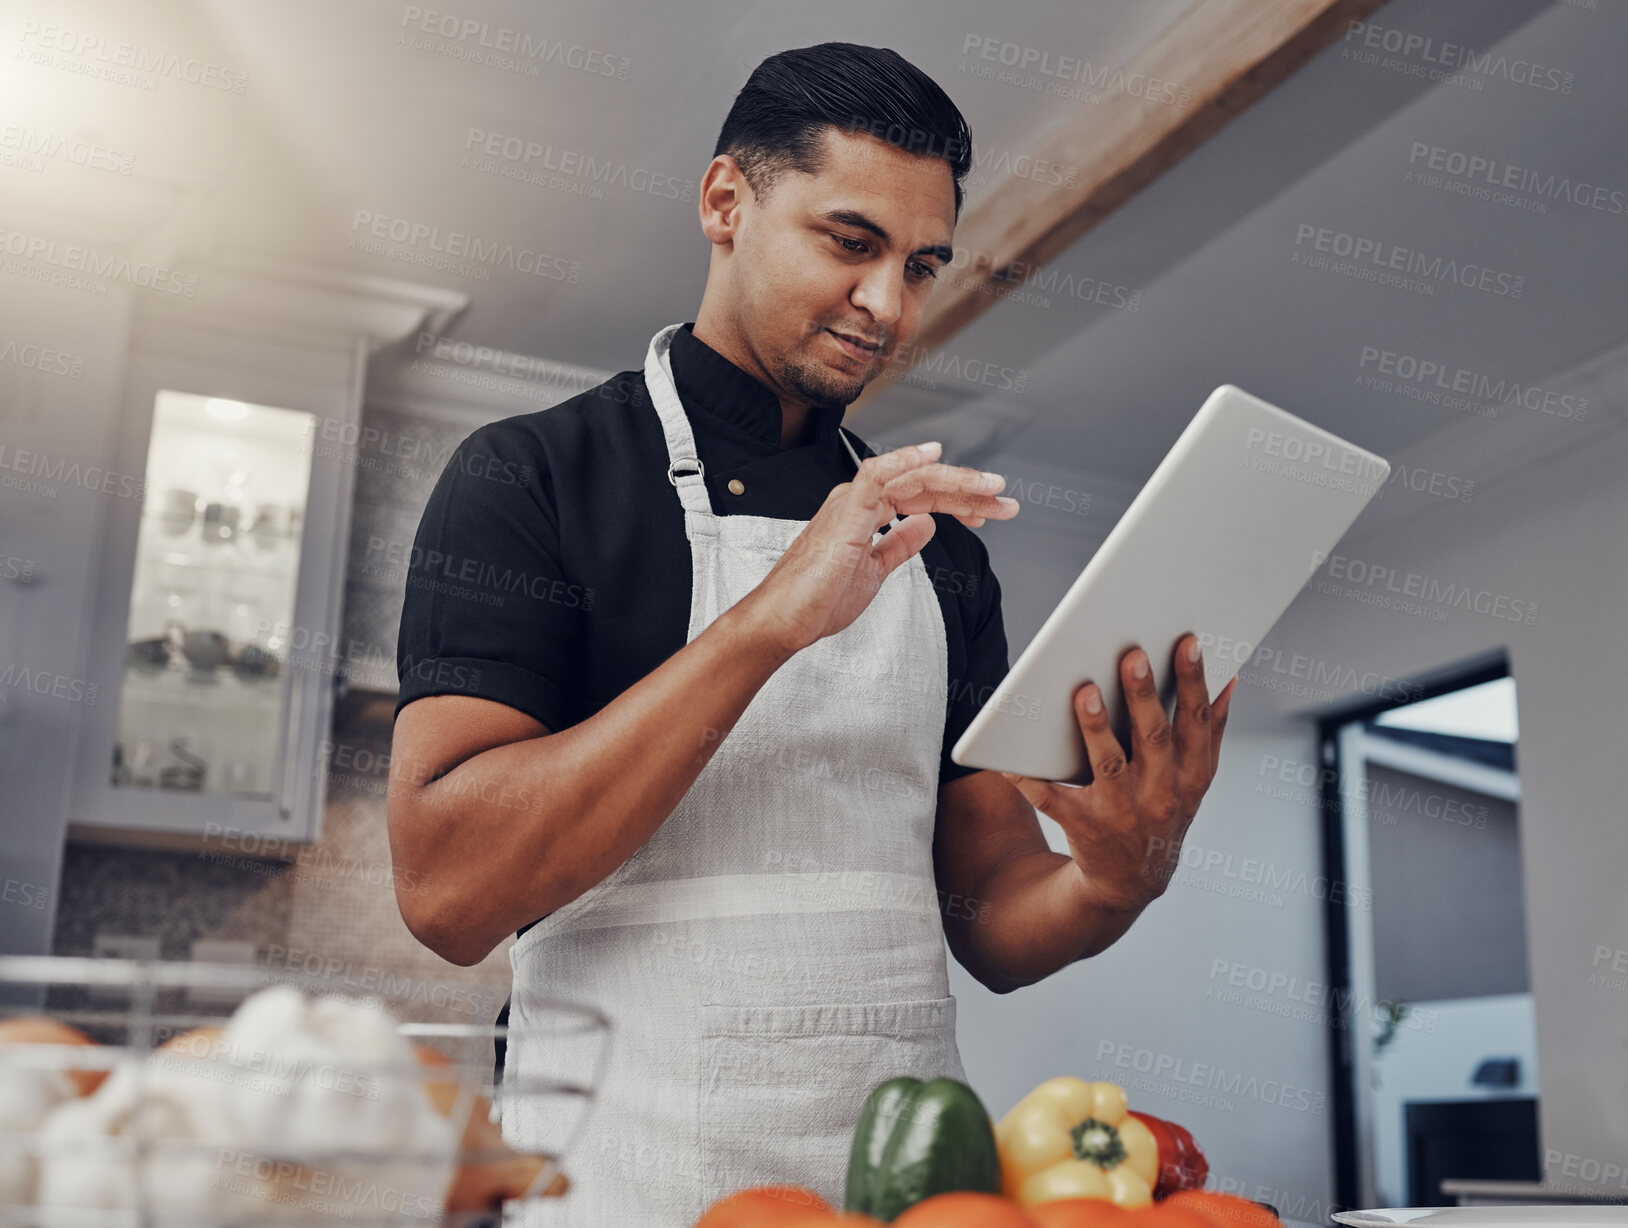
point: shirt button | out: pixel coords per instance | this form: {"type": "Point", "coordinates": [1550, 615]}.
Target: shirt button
{"type": "Point", "coordinates": [736, 486]}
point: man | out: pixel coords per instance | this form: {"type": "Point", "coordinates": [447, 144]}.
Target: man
{"type": "Point", "coordinates": [696, 754]}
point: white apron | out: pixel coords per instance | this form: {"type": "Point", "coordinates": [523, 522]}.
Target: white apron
{"type": "Point", "coordinates": [775, 949]}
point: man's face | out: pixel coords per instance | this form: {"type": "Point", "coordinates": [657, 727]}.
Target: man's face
{"type": "Point", "coordinates": [811, 264]}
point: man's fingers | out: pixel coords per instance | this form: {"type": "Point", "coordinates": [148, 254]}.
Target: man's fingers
{"type": "Point", "coordinates": [904, 539]}
{"type": "Point", "coordinates": [908, 480]}
{"type": "Point", "coordinates": [1193, 719]}
{"type": "Point", "coordinates": [1043, 795]}
{"type": "Point", "coordinates": [1219, 712]}
{"type": "Point", "coordinates": [959, 492]}
{"type": "Point", "coordinates": [1150, 730]}
{"type": "Point", "coordinates": [1109, 769]}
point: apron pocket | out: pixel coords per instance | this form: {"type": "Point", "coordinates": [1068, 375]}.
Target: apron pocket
{"type": "Point", "coordinates": [781, 1087]}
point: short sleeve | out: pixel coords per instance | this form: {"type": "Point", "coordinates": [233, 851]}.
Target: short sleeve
{"type": "Point", "coordinates": [488, 609]}
{"type": "Point", "coordinates": [984, 662]}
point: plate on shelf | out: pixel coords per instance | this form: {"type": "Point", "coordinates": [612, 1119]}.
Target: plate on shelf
{"type": "Point", "coordinates": [1553, 1216]}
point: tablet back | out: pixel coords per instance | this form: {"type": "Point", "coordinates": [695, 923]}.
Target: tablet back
{"type": "Point", "coordinates": [1247, 504]}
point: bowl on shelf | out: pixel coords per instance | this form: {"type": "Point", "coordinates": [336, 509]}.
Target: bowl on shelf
{"type": "Point", "coordinates": [205, 650]}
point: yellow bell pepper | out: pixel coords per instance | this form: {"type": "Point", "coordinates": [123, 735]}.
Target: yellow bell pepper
{"type": "Point", "coordinates": [1072, 1139]}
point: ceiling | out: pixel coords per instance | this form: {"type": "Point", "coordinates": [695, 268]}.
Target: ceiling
{"type": "Point", "coordinates": [351, 112]}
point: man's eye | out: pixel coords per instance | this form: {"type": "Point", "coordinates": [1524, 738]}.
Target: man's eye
{"type": "Point", "coordinates": [927, 270]}
{"type": "Point", "coordinates": [858, 244]}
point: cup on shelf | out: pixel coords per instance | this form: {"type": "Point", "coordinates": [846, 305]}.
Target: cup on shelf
{"type": "Point", "coordinates": [205, 650]}
{"type": "Point", "coordinates": [177, 509]}
{"type": "Point", "coordinates": [220, 522]}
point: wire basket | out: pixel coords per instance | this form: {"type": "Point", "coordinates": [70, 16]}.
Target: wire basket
{"type": "Point", "coordinates": [138, 1093]}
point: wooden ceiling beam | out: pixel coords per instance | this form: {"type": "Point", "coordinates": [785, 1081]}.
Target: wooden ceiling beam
{"type": "Point", "coordinates": [1223, 53]}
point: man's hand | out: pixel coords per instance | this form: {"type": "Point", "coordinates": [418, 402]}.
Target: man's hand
{"type": "Point", "coordinates": [829, 574]}
{"type": "Point", "coordinates": [1140, 803]}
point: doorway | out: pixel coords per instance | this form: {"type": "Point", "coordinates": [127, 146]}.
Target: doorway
{"type": "Point", "coordinates": [1435, 1051]}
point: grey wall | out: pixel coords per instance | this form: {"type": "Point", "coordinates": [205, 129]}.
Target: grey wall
{"type": "Point", "coordinates": [1551, 535]}
{"type": "Point", "coordinates": [1449, 914]}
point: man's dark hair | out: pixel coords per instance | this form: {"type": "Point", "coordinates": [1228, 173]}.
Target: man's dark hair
{"type": "Point", "coordinates": [778, 119]}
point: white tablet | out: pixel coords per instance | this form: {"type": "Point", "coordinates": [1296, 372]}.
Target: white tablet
{"type": "Point", "coordinates": [1247, 504]}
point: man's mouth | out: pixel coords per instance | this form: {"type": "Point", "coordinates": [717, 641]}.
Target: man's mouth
{"type": "Point", "coordinates": [859, 347]}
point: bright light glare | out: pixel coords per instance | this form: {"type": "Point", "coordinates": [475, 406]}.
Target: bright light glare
{"type": "Point", "coordinates": [226, 411]}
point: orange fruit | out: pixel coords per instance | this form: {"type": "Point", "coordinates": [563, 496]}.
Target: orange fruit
{"type": "Point", "coordinates": [766, 1206]}
{"type": "Point", "coordinates": [1163, 1215]}
{"type": "Point", "coordinates": [1225, 1210]}
{"type": "Point", "coordinates": [1082, 1213]}
{"type": "Point", "coordinates": [965, 1209]}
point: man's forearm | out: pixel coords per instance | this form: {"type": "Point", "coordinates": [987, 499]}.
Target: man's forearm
{"type": "Point", "coordinates": [1036, 915]}
{"type": "Point", "coordinates": [519, 830]}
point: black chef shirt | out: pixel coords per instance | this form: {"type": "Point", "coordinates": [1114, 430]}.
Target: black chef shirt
{"type": "Point", "coordinates": [550, 571]}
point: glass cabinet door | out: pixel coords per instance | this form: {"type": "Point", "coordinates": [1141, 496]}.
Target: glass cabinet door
{"type": "Point", "coordinates": [204, 705]}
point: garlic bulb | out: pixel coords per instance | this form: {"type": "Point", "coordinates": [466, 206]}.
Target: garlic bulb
{"type": "Point", "coordinates": [287, 1112]}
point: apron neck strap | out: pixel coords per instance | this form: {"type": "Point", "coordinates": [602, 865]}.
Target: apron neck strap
{"type": "Point", "coordinates": [684, 468]}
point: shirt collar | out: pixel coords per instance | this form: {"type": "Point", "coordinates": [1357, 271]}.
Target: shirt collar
{"type": "Point", "coordinates": [709, 382]}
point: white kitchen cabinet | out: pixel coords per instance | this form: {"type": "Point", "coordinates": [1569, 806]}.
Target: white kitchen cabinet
{"type": "Point", "coordinates": [214, 639]}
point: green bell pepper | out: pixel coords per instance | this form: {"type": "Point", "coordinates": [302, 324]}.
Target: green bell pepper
{"type": "Point", "coordinates": [918, 1139]}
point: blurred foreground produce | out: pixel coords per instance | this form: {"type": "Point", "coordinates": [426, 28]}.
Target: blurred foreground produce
{"type": "Point", "coordinates": [1072, 1139]}
{"type": "Point", "coordinates": [793, 1207]}
{"type": "Point", "coordinates": [217, 1108]}
{"type": "Point", "coordinates": [1182, 1165]}
{"type": "Point", "coordinates": [917, 1139]}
